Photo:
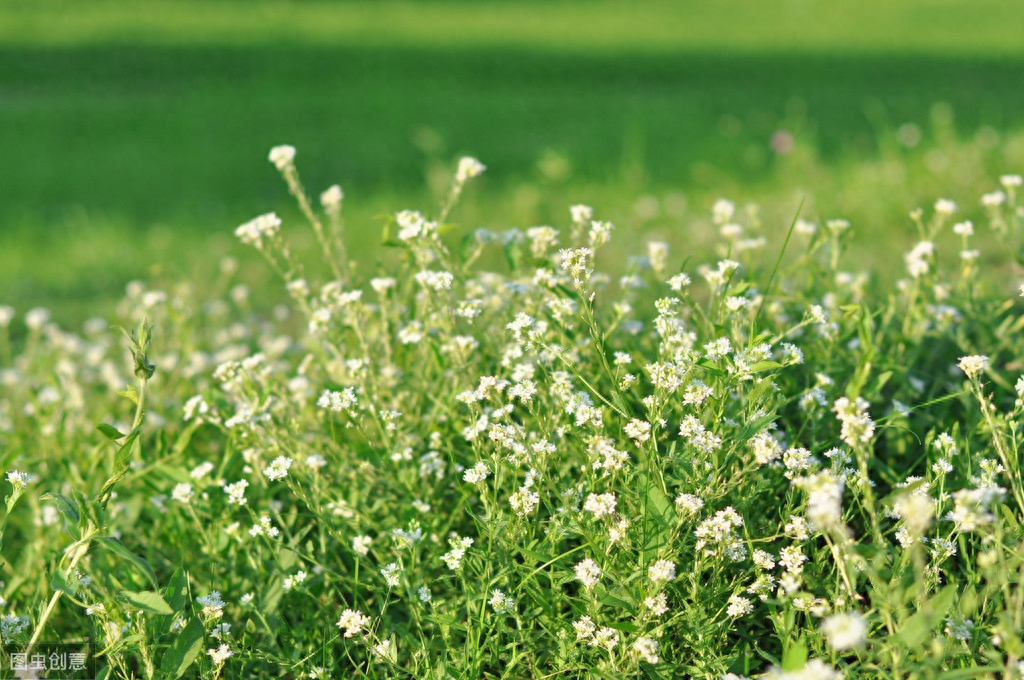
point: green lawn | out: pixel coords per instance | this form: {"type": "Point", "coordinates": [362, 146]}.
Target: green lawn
{"type": "Point", "coordinates": [122, 117]}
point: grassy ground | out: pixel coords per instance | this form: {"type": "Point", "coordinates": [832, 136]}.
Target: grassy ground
{"type": "Point", "coordinates": [141, 127]}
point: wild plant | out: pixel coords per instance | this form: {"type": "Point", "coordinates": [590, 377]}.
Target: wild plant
{"type": "Point", "coordinates": [487, 458]}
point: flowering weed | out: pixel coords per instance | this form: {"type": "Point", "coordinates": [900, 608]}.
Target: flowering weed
{"type": "Point", "coordinates": [741, 468]}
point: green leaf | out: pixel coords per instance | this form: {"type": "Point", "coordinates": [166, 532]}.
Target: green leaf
{"type": "Point", "coordinates": [65, 506]}
{"type": "Point", "coordinates": [917, 628]}
{"type": "Point", "coordinates": [764, 366]}
{"type": "Point", "coordinates": [182, 442]}
{"type": "Point", "coordinates": [795, 656]}
{"type": "Point", "coordinates": [129, 393]}
{"type": "Point", "coordinates": [968, 601]}
{"type": "Point", "coordinates": [58, 581]}
{"type": "Point", "coordinates": [619, 598]}
{"type": "Point", "coordinates": [118, 548]}
{"type": "Point", "coordinates": [970, 672]}
{"type": "Point", "coordinates": [110, 432]}
{"type": "Point", "coordinates": [183, 652]}
{"type": "Point", "coordinates": [659, 518]}
{"type": "Point", "coordinates": [123, 458]}
{"type": "Point", "coordinates": [146, 600]}
{"type": "Point", "coordinates": [177, 590]}
{"type": "Point", "coordinates": [538, 557]}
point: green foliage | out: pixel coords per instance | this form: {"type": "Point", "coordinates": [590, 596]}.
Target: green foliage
{"type": "Point", "coordinates": [767, 465]}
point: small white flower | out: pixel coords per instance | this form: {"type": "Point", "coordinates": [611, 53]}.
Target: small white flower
{"type": "Point", "coordinates": [959, 628]}
{"type": "Point", "coordinates": [220, 655]}
{"type": "Point", "coordinates": [468, 168]}
{"type": "Point", "coordinates": [236, 492]}
{"type": "Point", "coordinates": [601, 505]}
{"type": "Point", "coordinates": [584, 627]}
{"type": "Point", "coordinates": [331, 199]}
{"type": "Point", "coordinates": [182, 493]}
{"type": "Point", "coordinates": [647, 649]}
{"type": "Point", "coordinates": [390, 574]}
{"type": "Point", "coordinates": [973, 365]}
{"type": "Point", "coordinates": [477, 473]}
{"type": "Point", "coordinates": [738, 606]}
{"type": "Point", "coordinates": [501, 603]}
{"type": "Point", "coordinates": [255, 230]}
{"type": "Point", "coordinates": [588, 573]}
{"type": "Point", "coordinates": [661, 571]}
{"type": "Point", "coordinates": [361, 544]}
{"type": "Point", "coordinates": [844, 630]}
{"type": "Point", "coordinates": [282, 156]}
{"type": "Point", "coordinates": [19, 480]}
{"type": "Point", "coordinates": [352, 622]}
{"type": "Point", "coordinates": [278, 468]}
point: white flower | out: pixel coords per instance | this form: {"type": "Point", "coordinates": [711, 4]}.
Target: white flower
{"type": "Point", "coordinates": [658, 605]}
{"type": "Point", "coordinates": [857, 424]}
{"type": "Point", "coordinates": [959, 628]}
{"type": "Point", "coordinates": [722, 211]}
{"type": "Point", "coordinates": [588, 573]}
{"type": "Point", "coordinates": [524, 501]}
{"type": "Point", "coordinates": [689, 503]}
{"type": "Point", "coordinates": [944, 206]}
{"type": "Point", "coordinates": [36, 318]}
{"type": "Point", "coordinates": [963, 228]}
{"type": "Point", "coordinates": [824, 499]}
{"type": "Point", "coordinates": [738, 606]}
{"type": "Point", "coordinates": [844, 630]}
{"type": "Point", "coordinates": [382, 285]}
{"type": "Point", "coordinates": [815, 669]}
{"type": "Point", "coordinates": [282, 156]}
{"type": "Point", "coordinates": [601, 505]}
{"type": "Point", "coordinates": [361, 544]}
{"type": "Point", "coordinates": [678, 282]}
{"type": "Point", "coordinates": [584, 627]}
{"type": "Point", "coordinates": [390, 574]}
{"type": "Point", "coordinates": [661, 571]}
{"type": "Point", "coordinates": [468, 168]}
{"type": "Point", "coordinates": [973, 365]}
{"type": "Point", "coordinates": [221, 630]}
{"type": "Point", "coordinates": [437, 281]}
{"type": "Point", "coordinates": [213, 605]}
{"type": "Point", "coordinates": [477, 473]}
{"type": "Point", "coordinates": [352, 622]}
{"type": "Point", "coordinates": [220, 655]}
{"type": "Point", "coordinates": [646, 649]}
{"type": "Point", "coordinates": [331, 199]}
{"type": "Point", "coordinates": [19, 480]}
{"type": "Point", "coordinates": [236, 492]}
{"type": "Point", "coordinates": [182, 493]}
{"type": "Point", "coordinates": [502, 603]}
{"type": "Point", "coordinates": [255, 230]}
{"type": "Point", "coordinates": [278, 468]}
{"type": "Point", "coordinates": [581, 213]}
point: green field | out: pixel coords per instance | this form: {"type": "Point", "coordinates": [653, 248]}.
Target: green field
{"type": "Point", "coordinates": [133, 130]}
{"type": "Point", "coordinates": [711, 440]}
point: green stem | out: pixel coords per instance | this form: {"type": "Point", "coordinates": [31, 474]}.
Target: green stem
{"type": "Point", "coordinates": [80, 549]}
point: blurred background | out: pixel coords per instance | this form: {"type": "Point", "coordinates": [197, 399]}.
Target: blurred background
{"type": "Point", "coordinates": [134, 135]}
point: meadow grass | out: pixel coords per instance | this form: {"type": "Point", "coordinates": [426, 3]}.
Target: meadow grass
{"type": "Point", "coordinates": [729, 465]}
{"type": "Point", "coordinates": [133, 125]}
{"type": "Point", "coordinates": [145, 113]}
